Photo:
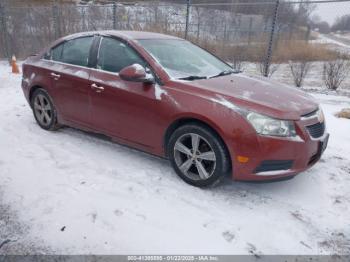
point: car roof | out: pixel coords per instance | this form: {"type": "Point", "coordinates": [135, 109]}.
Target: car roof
{"type": "Point", "coordinates": [129, 35]}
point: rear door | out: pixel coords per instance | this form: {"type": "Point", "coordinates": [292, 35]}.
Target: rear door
{"type": "Point", "coordinates": [70, 73]}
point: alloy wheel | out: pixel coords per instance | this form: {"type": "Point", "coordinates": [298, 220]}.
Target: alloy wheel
{"type": "Point", "coordinates": [194, 156]}
{"type": "Point", "coordinates": [43, 110]}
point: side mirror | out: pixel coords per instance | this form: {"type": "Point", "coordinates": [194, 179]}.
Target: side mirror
{"type": "Point", "coordinates": [136, 73]}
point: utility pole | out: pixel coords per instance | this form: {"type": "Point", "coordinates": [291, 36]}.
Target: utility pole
{"type": "Point", "coordinates": [56, 19]}
{"type": "Point", "coordinates": [83, 18]}
{"type": "Point", "coordinates": [270, 46]}
{"type": "Point", "coordinates": [187, 17]}
{"type": "Point", "coordinates": [114, 15]}
{"type": "Point", "coordinates": [3, 24]}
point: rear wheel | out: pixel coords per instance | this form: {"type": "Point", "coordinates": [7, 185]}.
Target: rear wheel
{"type": "Point", "coordinates": [198, 155]}
{"type": "Point", "coordinates": [44, 110]}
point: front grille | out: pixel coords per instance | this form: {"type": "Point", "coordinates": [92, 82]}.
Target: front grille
{"type": "Point", "coordinates": [316, 130]}
{"type": "Point", "coordinates": [274, 165]}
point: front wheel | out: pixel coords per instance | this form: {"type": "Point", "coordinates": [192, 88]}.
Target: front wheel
{"type": "Point", "coordinates": [198, 155]}
{"type": "Point", "coordinates": [44, 110]}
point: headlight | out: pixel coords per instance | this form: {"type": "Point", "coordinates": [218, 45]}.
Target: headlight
{"type": "Point", "coordinates": [320, 115]}
{"type": "Point", "coordinates": [265, 125]}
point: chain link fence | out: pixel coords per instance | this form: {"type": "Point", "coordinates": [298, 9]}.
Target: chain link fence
{"type": "Point", "coordinates": [265, 32]}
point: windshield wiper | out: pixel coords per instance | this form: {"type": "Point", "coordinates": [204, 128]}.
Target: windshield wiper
{"type": "Point", "coordinates": [224, 73]}
{"type": "Point", "coordinates": [191, 78]}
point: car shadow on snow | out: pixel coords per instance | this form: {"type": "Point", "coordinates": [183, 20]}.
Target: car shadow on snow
{"type": "Point", "coordinates": [226, 187]}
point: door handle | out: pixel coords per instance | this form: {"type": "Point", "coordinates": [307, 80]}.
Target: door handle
{"type": "Point", "coordinates": [98, 89]}
{"type": "Point", "coordinates": [56, 76]}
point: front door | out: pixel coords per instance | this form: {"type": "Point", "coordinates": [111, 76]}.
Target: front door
{"type": "Point", "coordinates": [124, 109]}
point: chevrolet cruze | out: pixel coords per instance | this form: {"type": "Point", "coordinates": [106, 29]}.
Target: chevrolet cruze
{"type": "Point", "coordinates": [168, 97]}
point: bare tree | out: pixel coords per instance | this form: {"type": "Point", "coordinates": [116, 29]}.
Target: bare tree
{"type": "Point", "coordinates": [270, 70]}
{"type": "Point", "coordinates": [342, 23]}
{"type": "Point", "coordinates": [237, 64]}
{"type": "Point", "coordinates": [236, 56]}
{"type": "Point", "coordinates": [299, 71]}
{"type": "Point", "coordinates": [335, 72]}
{"type": "Point", "coordinates": [260, 58]}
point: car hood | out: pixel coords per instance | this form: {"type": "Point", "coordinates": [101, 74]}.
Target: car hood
{"type": "Point", "coordinates": [258, 94]}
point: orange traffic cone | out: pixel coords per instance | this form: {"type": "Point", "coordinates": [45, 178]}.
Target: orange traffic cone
{"type": "Point", "coordinates": [14, 65]}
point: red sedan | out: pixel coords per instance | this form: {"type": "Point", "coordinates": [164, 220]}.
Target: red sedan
{"type": "Point", "coordinates": [168, 97]}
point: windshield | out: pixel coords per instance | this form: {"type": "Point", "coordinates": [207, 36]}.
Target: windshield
{"type": "Point", "coordinates": [183, 60]}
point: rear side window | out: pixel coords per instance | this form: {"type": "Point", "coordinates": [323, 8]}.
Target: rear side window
{"type": "Point", "coordinates": [56, 53]}
{"type": "Point", "coordinates": [75, 52]}
{"type": "Point", "coordinates": [114, 55]}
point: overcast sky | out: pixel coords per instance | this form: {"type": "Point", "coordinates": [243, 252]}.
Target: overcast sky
{"type": "Point", "coordinates": [330, 11]}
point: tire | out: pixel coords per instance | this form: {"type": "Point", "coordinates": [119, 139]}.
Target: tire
{"type": "Point", "coordinates": [44, 110]}
{"type": "Point", "coordinates": [202, 167]}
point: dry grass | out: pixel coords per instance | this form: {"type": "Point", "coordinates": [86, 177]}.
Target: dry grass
{"type": "Point", "coordinates": [160, 28]}
{"type": "Point", "coordinates": [283, 52]}
{"type": "Point", "coordinates": [303, 51]}
{"type": "Point", "coordinates": [255, 49]}
{"type": "Point", "coordinates": [344, 113]}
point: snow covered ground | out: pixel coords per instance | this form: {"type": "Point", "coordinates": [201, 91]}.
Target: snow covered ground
{"type": "Point", "coordinates": [331, 39]}
{"type": "Point", "coordinates": [73, 193]}
{"type": "Point", "coordinates": [334, 41]}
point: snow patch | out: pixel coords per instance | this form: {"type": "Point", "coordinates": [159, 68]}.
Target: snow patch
{"type": "Point", "coordinates": [274, 173]}
{"type": "Point", "coordinates": [82, 74]}
{"type": "Point", "coordinates": [224, 102]}
{"type": "Point", "coordinates": [139, 68]}
{"type": "Point", "coordinates": [323, 39]}
{"type": "Point", "coordinates": [247, 94]}
{"type": "Point", "coordinates": [159, 91]}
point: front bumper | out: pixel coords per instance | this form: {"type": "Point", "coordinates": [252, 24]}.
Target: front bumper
{"type": "Point", "coordinates": [275, 158]}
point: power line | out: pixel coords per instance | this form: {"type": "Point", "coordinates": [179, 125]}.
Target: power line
{"type": "Point", "coordinates": [147, 4]}
{"type": "Point", "coordinates": [272, 3]}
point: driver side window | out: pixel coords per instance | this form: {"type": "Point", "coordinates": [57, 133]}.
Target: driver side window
{"type": "Point", "coordinates": [114, 55]}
